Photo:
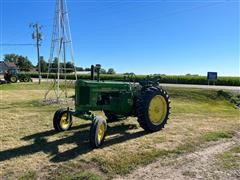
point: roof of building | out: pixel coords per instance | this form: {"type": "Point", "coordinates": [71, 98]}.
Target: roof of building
{"type": "Point", "coordinates": [9, 64]}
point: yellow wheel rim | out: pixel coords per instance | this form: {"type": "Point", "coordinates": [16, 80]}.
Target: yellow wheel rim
{"type": "Point", "coordinates": [64, 121]}
{"type": "Point", "coordinates": [13, 79]}
{"type": "Point", "coordinates": [157, 109]}
{"type": "Point", "coordinates": [101, 132]}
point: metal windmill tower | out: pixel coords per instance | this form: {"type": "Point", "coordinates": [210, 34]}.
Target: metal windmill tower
{"type": "Point", "coordinates": [61, 51]}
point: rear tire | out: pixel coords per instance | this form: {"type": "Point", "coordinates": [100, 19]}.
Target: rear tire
{"type": "Point", "coordinates": [97, 132]}
{"type": "Point", "coordinates": [153, 109]}
{"type": "Point", "coordinates": [62, 120]}
{"type": "Point", "coordinates": [13, 79]}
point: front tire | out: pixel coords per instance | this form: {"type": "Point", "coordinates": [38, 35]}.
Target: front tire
{"type": "Point", "coordinates": [62, 120]}
{"type": "Point", "coordinates": [153, 109]}
{"type": "Point", "coordinates": [26, 79]}
{"type": "Point", "coordinates": [98, 131]}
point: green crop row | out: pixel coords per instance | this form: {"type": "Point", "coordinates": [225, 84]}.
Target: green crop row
{"type": "Point", "coordinates": [201, 80]}
{"type": "Point", "coordinates": [181, 79]}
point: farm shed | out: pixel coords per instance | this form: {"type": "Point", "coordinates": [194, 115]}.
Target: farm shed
{"type": "Point", "coordinates": [5, 65]}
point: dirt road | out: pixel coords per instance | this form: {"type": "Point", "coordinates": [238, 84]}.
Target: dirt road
{"type": "Point", "coordinates": [197, 165]}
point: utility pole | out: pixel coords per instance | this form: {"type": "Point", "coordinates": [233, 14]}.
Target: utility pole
{"type": "Point", "coordinates": [37, 35]}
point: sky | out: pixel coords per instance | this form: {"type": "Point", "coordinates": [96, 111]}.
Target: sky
{"type": "Point", "coordinates": [145, 37]}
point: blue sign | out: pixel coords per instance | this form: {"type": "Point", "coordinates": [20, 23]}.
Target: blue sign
{"type": "Point", "coordinates": [212, 76]}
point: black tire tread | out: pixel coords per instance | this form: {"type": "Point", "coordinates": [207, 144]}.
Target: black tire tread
{"type": "Point", "coordinates": [25, 79]}
{"type": "Point", "coordinates": [11, 78]}
{"type": "Point", "coordinates": [55, 123]}
{"type": "Point", "coordinates": [56, 120]}
{"type": "Point", "coordinates": [93, 129]}
{"type": "Point", "coordinates": [142, 106]}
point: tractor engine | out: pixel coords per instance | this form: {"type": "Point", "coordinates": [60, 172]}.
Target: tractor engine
{"type": "Point", "coordinates": [113, 97]}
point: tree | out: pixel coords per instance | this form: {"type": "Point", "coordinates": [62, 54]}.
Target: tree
{"type": "Point", "coordinates": [87, 69]}
{"type": "Point", "coordinates": [54, 65]}
{"type": "Point", "coordinates": [23, 63]}
{"type": "Point", "coordinates": [111, 71]}
{"type": "Point", "coordinates": [69, 67]}
{"type": "Point", "coordinates": [103, 71]}
{"type": "Point", "coordinates": [11, 57]}
{"type": "Point", "coordinates": [44, 65]}
{"type": "Point", "coordinates": [79, 69]}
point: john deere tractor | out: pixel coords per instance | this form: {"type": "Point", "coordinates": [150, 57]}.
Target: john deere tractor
{"type": "Point", "coordinates": [145, 100]}
{"type": "Point", "coordinates": [12, 76]}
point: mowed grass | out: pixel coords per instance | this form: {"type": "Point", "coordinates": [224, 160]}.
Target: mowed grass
{"type": "Point", "coordinates": [31, 149]}
{"type": "Point", "coordinates": [230, 159]}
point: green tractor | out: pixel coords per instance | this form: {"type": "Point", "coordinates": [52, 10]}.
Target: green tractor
{"type": "Point", "coordinates": [12, 75]}
{"type": "Point", "coordinates": [144, 100]}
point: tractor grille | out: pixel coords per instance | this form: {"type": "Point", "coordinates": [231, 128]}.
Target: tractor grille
{"type": "Point", "coordinates": [83, 95]}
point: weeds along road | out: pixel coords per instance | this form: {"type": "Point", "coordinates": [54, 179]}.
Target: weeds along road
{"type": "Point", "coordinates": [195, 165]}
{"type": "Point", "coordinates": [231, 88]}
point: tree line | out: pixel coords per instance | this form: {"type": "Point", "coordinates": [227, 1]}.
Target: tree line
{"type": "Point", "coordinates": [24, 64]}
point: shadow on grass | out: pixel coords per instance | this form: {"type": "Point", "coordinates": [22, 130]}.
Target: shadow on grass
{"type": "Point", "coordinates": [80, 137]}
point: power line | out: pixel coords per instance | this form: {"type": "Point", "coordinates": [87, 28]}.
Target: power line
{"type": "Point", "coordinates": [13, 44]}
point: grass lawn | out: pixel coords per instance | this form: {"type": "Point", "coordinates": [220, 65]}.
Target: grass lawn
{"type": "Point", "coordinates": [230, 159]}
{"type": "Point", "coordinates": [31, 149]}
